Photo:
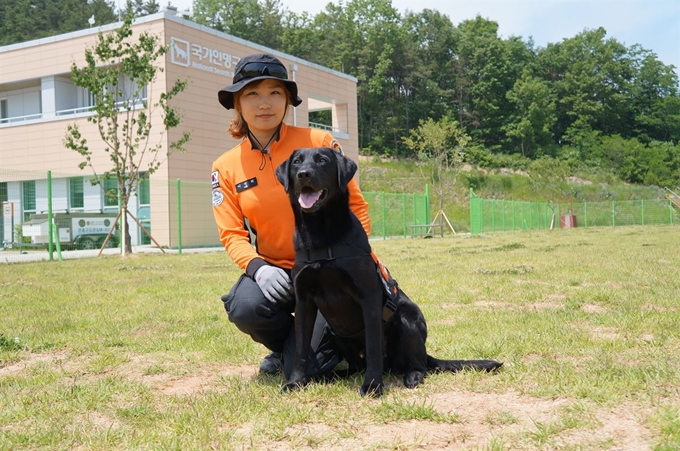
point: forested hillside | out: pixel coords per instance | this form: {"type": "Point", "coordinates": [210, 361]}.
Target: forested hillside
{"type": "Point", "coordinates": [586, 102]}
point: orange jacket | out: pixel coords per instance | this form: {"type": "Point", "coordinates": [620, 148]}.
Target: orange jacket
{"type": "Point", "coordinates": [251, 209]}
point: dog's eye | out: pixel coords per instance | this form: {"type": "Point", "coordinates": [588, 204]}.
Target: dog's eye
{"type": "Point", "coordinates": [324, 159]}
{"type": "Point", "coordinates": [297, 161]}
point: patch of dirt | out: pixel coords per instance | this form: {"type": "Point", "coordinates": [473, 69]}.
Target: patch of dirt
{"type": "Point", "coordinates": [464, 419]}
{"type": "Point", "coordinates": [593, 308]}
{"type": "Point", "coordinates": [497, 305]}
{"type": "Point", "coordinates": [33, 360]}
{"type": "Point", "coordinates": [483, 420]}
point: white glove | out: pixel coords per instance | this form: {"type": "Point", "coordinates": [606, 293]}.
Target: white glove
{"type": "Point", "coordinates": [274, 283]}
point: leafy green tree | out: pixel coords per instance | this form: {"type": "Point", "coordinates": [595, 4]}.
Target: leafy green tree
{"type": "Point", "coordinates": [591, 77]}
{"type": "Point", "coordinates": [656, 163]}
{"type": "Point", "coordinates": [299, 36]}
{"type": "Point", "coordinates": [531, 122]}
{"type": "Point", "coordinates": [655, 98]}
{"type": "Point", "coordinates": [259, 21]}
{"type": "Point", "coordinates": [25, 20]}
{"type": "Point", "coordinates": [429, 85]}
{"type": "Point", "coordinates": [118, 72]}
{"type": "Point", "coordinates": [486, 69]}
{"type": "Point", "coordinates": [440, 147]}
{"type": "Point", "coordinates": [139, 8]}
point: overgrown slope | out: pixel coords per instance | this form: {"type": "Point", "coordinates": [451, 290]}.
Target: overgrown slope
{"type": "Point", "coordinates": [406, 176]}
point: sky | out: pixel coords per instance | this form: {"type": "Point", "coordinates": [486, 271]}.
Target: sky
{"type": "Point", "coordinates": [654, 24]}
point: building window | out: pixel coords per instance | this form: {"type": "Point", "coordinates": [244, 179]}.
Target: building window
{"type": "Point", "coordinates": [143, 191]}
{"type": "Point", "coordinates": [4, 115]}
{"type": "Point", "coordinates": [76, 194]}
{"type": "Point", "coordinates": [144, 212]}
{"type": "Point", "coordinates": [110, 187]}
{"type": "Point", "coordinates": [28, 192]}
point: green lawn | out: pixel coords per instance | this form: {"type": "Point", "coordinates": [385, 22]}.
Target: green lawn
{"type": "Point", "coordinates": [137, 353]}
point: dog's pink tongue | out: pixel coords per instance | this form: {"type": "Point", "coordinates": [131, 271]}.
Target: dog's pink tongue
{"type": "Point", "coordinates": [307, 199]}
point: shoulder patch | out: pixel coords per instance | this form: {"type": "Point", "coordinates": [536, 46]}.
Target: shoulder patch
{"type": "Point", "coordinates": [217, 198]}
{"type": "Point", "coordinates": [335, 145]}
{"type": "Point", "coordinates": [215, 179]}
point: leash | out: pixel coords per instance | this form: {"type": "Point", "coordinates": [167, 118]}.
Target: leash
{"type": "Point", "coordinates": [390, 287]}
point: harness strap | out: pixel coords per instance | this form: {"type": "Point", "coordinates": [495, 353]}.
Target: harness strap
{"type": "Point", "coordinates": [390, 287]}
{"type": "Point", "coordinates": [328, 253]}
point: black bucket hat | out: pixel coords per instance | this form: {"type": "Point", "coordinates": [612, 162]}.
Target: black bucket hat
{"type": "Point", "coordinates": [254, 68]}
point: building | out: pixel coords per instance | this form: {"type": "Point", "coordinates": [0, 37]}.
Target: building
{"type": "Point", "coordinates": [38, 101]}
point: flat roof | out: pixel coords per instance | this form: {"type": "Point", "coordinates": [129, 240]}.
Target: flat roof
{"type": "Point", "coordinates": [172, 16]}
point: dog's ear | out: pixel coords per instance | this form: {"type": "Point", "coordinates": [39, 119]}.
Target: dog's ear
{"type": "Point", "coordinates": [282, 173]}
{"type": "Point", "coordinates": [346, 170]}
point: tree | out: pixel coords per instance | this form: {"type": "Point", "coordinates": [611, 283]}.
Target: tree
{"type": "Point", "coordinates": [254, 20]}
{"type": "Point", "coordinates": [486, 68]}
{"type": "Point", "coordinates": [655, 98]}
{"type": "Point", "coordinates": [118, 73]}
{"type": "Point", "coordinates": [24, 20]}
{"type": "Point", "coordinates": [139, 8]}
{"type": "Point", "coordinates": [440, 146]}
{"type": "Point", "coordinates": [534, 116]}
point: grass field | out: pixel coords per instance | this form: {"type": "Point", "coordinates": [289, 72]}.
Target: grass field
{"type": "Point", "coordinates": [137, 353]}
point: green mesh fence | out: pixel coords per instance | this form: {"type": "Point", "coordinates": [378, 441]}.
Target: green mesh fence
{"type": "Point", "coordinates": [494, 215]}
{"type": "Point", "coordinates": [177, 214]}
{"type": "Point", "coordinates": [392, 214]}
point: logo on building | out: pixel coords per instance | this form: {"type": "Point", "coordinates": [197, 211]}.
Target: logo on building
{"type": "Point", "coordinates": [179, 52]}
{"type": "Point", "coordinates": [187, 54]}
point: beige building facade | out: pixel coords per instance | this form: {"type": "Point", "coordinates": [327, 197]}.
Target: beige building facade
{"type": "Point", "coordinates": [38, 101]}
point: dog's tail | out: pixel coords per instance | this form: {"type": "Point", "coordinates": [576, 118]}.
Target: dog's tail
{"type": "Point", "coordinates": [434, 364]}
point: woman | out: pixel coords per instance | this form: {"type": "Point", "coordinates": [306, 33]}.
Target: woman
{"type": "Point", "coordinates": [253, 213]}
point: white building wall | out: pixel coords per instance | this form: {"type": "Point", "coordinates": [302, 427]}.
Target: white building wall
{"type": "Point", "coordinates": [66, 94]}
{"type": "Point", "coordinates": [49, 97]}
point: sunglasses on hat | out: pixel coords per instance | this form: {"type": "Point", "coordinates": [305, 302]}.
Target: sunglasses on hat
{"type": "Point", "coordinates": [252, 70]}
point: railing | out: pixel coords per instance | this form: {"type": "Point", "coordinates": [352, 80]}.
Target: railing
{"type": "Point", "coordinates": [26, 118]}
{"type": "Point", "coordinates": [329, 128]}
{"type": "Point", "coordinates": [80, 110]}
{"type": "Point", "coordinates": [122, 105]}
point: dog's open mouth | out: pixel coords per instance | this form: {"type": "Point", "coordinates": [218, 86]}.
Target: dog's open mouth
{"type": "Point", "coordinates": [308, 197]}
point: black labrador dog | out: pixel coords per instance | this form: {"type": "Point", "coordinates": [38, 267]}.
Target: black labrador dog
{"type": "Point", "coordinates": [336, 272]}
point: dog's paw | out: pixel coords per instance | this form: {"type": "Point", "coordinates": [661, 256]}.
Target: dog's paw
{"type": "Point", "coordinates": [293, 386]}
{"type": "Point", "coordinates": [372, 389]}
{"type": "Point", "coordinates": [413, 378]}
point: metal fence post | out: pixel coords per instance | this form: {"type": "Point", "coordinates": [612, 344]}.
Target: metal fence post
{"type": "Point", "coordinates": [427, 203]}
{"type": "Point", "coordinates": [403, 211]}
{"type": "Point", "coordinates": [50, 226]}
{"type": "Point", "coordinates": [585, 214]}
{"type": "Point", "coordinates": [384, 218]}
{"type": "Point", "coordinates": [179, 215]}
{"type": "Point", "coordinates": [55, 233]}
{"type": "Point", "coordinates": [670, 210]}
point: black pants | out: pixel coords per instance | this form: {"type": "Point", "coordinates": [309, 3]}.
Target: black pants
{"type": "Point", "coordinates": [273, 326]}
